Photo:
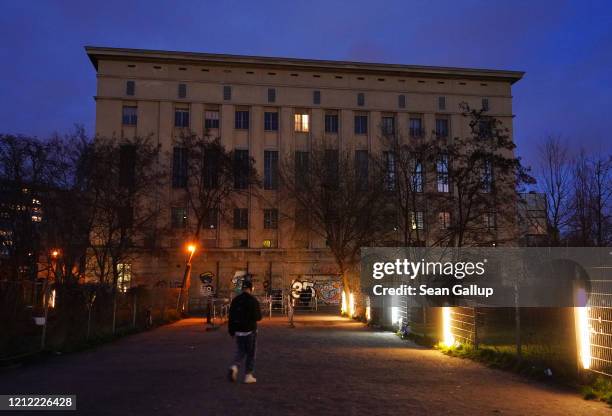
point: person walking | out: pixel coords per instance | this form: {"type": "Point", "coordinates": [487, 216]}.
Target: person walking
{"type": "Point", "coordinates": [242, 325]}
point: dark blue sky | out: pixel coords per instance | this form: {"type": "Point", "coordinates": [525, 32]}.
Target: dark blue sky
{"type": "Point", "coordinates": [47, 81]}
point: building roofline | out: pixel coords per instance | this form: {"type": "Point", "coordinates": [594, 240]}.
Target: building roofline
{"type": "Point", "coordinates": [97, 53]}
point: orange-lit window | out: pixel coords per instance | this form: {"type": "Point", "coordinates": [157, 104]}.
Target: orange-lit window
{"type": "Point", "coordinates": [302, 123]}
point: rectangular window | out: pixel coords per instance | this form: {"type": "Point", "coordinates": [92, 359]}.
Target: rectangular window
{"type": "Point", "coordinates": [485, 104]}
{"type": "Point", "coordinates": [227, 92]}
{"type": "Point", "coordinates": [179, 217]}
{"type": "Point", "coordinates": [130, 115]}
{"type": "Point", "coordinates": [211, 218]}
{"type": "Point", "coordinates": [489, 220]}
{"type": "Point", "coordinates": [130, 88]}
{"type": "Point", "coordinates": [441, 128]}
{"type": "Point", "coordinates": [388, 126]}
{"type": "Point", "coordinates": [241, 243]}
{"type": "Point", "coordinates": [417, 176]}
{"type": "Point", "coordinates": [270, 219]}
{"type": "Point", "coordinates": [270, 121]}
{"type": "Point", "coordinates": [242, 120]}
{"type": "Point", "coordinates": [182, 90]}
{"type": "Point", "coordinates": [390, 172]}
{"type": "Point", "coordinates": [416, 127]}
{"type": "Point", "coordinates": [181, 117]}
{"type": "Point", "coordinates": [124, 276]}
{"type": "Point", "coordinates": [211, 119]}
{"type": "Point", "coordinates": [401, 101]}
{"type": "Point", "coordinates": [271, 95]}
{"type": "Point", "coordinates": [316, 97]}
{"type": "Point", "coordinates": [361, 124]}
{"type": "Point", "coordinates": [302, 123]}
{"type": "Point", "coordinates": [441, 103]}
{"type": "Point", "coordinates": [360, 99]}
{"type": "Point", "coordinates": [127, 166]}
{"type": "Point", "coordinates": [301, 170]}
{"type": "Point", "coordinates": [487, 177]}
{"type": "Point", "coordinates": [442, 174]}
{"type": "Point", "coordinates": [179, 167]}
{"type": "Point", "coordinates": [241, 218]}
{"type": "Point", "coordinates": [416, 220]}
{"type": "Point", "coordinates": [332, 173]}
{"type": "Point", "coordinates": [270, 169]}
{"type": "Point", "coordinates": [444, 220]}
{"type": "Point", "coordinates": [241, 169]}
{"type": "Point", "coordinates": [485, 128]}
{"type": "Point", "coordinates": [361, 169]}
{"type": "Point", "coordinates": [331, 123]}
{"type": "Point", "coordinates": [210, 179]}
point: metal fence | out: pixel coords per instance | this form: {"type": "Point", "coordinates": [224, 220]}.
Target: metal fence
{"type": "Point", "coordinates": [598, 329]}
{"type": "Point", "coordinates": [37, 316]}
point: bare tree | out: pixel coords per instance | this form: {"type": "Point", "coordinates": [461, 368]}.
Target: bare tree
{"type": "Point", "coordinates": [122, 176]}
{"type": "Point", "coordinates": [590, 200]}
{"type": "Point", "coordinates": [214, 180]}
{"type": "Point", "coordinates": [477, 178]}
{"type": "Point", "coordinates": [555, 181]}
{"type": "Point", "coordinates": [340, 197]}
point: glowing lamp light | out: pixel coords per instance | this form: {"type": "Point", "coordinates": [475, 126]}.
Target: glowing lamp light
{"type": "Point", "coordinates": [344, 308]}
{"type": "Point", "coordinates": [55, 253]}
{"type": "Point", "coordinates": [583, 331]}
{"type": "Point", "coordinates": [448, 339]}
{"type": "Point", "coordinates": [368, 313]}
{"type": "Point", "coordinates": [191, 248]}
{"type": "Point", "coordinates": [351, 305]}
{"type": "Point", "coordinates": [395, 316]}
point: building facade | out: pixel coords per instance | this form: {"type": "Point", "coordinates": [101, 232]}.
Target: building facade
{"type": "Point", "coordinates": [269, 108]}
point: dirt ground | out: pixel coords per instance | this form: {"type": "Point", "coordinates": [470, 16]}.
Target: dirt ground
{"type": "Point", "coordinates": [324, 366]}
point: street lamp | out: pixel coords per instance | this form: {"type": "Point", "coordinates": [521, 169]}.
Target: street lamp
{"type": "Point", "coordinates": [191, 248]}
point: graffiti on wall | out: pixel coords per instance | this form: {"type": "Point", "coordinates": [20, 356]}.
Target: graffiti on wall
{"type": "Point", "coordinates": [326, 290]}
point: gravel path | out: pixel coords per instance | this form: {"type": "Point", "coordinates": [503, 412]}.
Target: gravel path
{"type": "Point", "coordinates": [324, 366]}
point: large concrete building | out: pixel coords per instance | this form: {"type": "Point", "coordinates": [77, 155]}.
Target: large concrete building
{"type": "Point", "coordinates": [271, 107]}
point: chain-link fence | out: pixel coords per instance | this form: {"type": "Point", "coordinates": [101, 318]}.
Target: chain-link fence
{"type": "Point", "coordinates": [37, 316]}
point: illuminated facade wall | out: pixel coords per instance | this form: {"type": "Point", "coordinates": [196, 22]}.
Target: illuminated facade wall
{"type": "Point", "coordinates": [153, 85]}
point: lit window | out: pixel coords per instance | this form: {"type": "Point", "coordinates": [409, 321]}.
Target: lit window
{"type": "Point", "coordinates": [417, 220]}
{"type": "Point", "coordinates": [302, 123]}
{"type": "Point", "coordinates": [124, 279]}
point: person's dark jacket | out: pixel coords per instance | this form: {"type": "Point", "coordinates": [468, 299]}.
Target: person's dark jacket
{"type": "Point", "coordinates": [243, 314]}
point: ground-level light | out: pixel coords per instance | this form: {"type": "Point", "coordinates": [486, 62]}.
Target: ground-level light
{"type": "Point", "coordinates": [395, 316]}
{"type": "Point", "coordinates": [583, 331]}
{"type": "Point", "coordinates": [351, 305]}
{"type": "Point", "coordinates": [448, 339]}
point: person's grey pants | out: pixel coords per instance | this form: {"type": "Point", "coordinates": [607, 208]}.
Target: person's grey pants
{"type": "Point", "coordinates": [245, 347]}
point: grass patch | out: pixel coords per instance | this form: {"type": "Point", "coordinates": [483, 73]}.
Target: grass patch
{"type": "Point", "coordinates": [599, 389]}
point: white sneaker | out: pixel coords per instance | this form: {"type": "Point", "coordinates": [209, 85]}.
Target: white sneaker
{"type": "Point", "coordinates": [232, 374]}
{"type": "Point", "coordinates": [249, 379]}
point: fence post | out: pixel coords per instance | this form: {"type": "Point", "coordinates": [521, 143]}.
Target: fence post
{"type": "Point", "coordinates": [114, 311]}
{"type": "Point", "coordinates": [135, 308]}
{"type": "Point", "coordinates": [43, 336]}
{"type": "Point", "coordinates": [290, 306]}
{"type": "Point", "coordinates": [88, 321]}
